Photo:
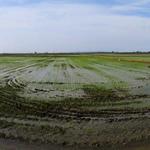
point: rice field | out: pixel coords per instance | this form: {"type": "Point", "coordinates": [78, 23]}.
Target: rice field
{"type": "Point", "coordinates": [95, 100]}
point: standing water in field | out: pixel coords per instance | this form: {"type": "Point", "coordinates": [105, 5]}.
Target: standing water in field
{"type": "Point", "coordinates": [89, 101]}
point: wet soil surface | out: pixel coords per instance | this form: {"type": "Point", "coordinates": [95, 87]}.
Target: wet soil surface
{"type": "Point", "coordinates": [6, 144]}
{"type": "Point", "coordinates": [89, 101]}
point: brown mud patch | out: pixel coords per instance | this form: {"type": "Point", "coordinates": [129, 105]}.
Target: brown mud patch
{"type": "Point", "coordinates": [76, 124]}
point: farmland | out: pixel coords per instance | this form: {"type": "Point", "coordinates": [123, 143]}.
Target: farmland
{"type": "Point", "coordinates": [85, 100]}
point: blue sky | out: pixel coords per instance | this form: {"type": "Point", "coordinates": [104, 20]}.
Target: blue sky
{"type": "Point", "coordinates": [74, 25]}
{"type": "Point", "coordinates": [20, 2]}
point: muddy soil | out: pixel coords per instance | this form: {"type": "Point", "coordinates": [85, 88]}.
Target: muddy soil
{"type": "Point", "coordinates": [6, 144]}
{"type": "Point", "coordinates": [80, 100]}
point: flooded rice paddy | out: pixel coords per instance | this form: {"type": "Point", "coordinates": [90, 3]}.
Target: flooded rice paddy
{"type": "Point", "coordinates": [91, 100]}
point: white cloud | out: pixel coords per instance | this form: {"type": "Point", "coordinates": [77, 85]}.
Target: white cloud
{"type": "Point", "coordinates": [70, 27]}
{"type": "Point", "coordinates": [132, 6]}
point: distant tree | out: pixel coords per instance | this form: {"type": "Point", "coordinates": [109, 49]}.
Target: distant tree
{"type": "Point", "coordinates": [138, 52]}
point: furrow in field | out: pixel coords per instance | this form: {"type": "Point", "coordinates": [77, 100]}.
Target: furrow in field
{"type": "Point", "coordinates": [140, 72]}
{"type": "Point", "coordinates": [87, 71]}
{"type": "Point", "coordinates": [118, 73]}
{"type": "Point", "coordinates": [39, 109]}
{"type": "Point", "coordinates": [54, 122]}
{"type": "Point", "coordinates": [19, 69]}
{"type": "Point", "coordinates": [135, 85]}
